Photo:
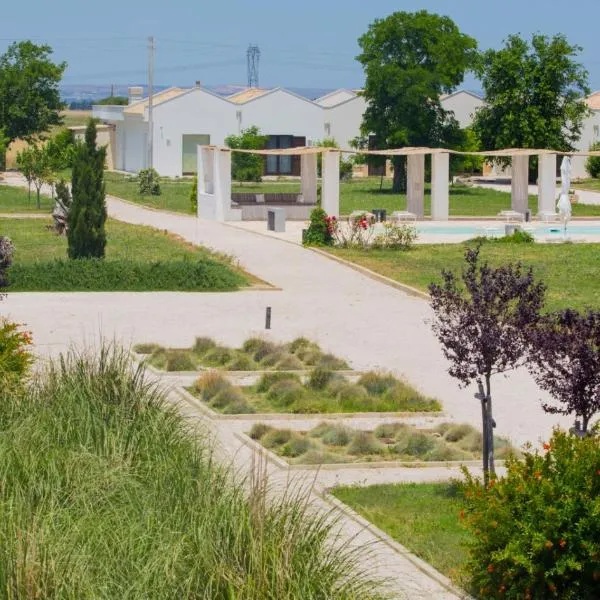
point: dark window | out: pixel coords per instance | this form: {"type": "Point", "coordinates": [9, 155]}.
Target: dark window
{"type": "Point", "coordinates": [279, 165]}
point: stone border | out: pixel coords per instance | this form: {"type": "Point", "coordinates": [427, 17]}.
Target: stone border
{"type": "Point", "coordinates": [383, 537]}
{"type": "Point", "coordinates": [387, 464]}
{"type": "Point", "coordinates": [209, 412]}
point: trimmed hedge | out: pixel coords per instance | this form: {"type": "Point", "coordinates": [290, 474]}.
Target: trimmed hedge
{"type": "Point", "coordinates": [122, 275]}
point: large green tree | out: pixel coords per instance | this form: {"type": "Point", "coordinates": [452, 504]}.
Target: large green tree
{"type": "Point", "coordinates": [29, 96]}
{"type": "Point", "coordinates": [410, 60]}
{"type": "Point", "coordinates": [247, 167]}
{"type": "Point", "coordinates": [87, 214]}
{"type": "Point", "coordinates": [534, 94]}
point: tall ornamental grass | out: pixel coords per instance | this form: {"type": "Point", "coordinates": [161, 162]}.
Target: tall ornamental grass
{"type": "Point", "coordinates": [105, 493]}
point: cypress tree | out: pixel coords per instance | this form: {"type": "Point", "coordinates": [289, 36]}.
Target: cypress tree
{"type": "Point", "coordinates": [86, 235]}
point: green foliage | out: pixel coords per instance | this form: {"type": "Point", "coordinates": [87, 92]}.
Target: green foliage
{"type": "Point", "coordinates": [247, 167]}
{"type": "Point", "coordinates": [149, 182]}
{"type": "Point", "coordinates": [320, 378]}
{"type": "Point", "coordinates": [123, 275]}
{"type": "Point", "coordinates": [194, 196]}
{"type": "Point", "coordinates": [61, 150]}
{"type": "Point", "coordinates": [62, 206]}
{"type": "Point", "coordinates": [377, 383]}
{"type": "Point", "coordinates": [592, 164]}
{"type": "Point", "coordinates": [536, 530]}
{"type": "Point", "coordinates": [29, 95]}
{"type": "Point", "coordinates": [337, 435]}
{"type": "Point", "coordinates": [468, 142]}
{"type": "Point", "coordinates": [319, 230]}
{"type": "Point", "coordinates": [258, 430]}
{"type": "Point", "coordinates": [178, 360]}
{"type": "Point", "coordinates": [202, 345]}
{"type": "Point", "coordinates": [410, 60]}
{"type": "Point", "coordinates": [363, 442]}
{"type": "Point", "coordinates": [87, 216]}
{"type": "Point", "coordinates": [15, 355]}
{"type": "Point", "coordinates": [35, 164]}
{"type": "Point", "coordinates": [289, 362]}
{"type": "Point", "coordinates": [534, 94]}
{"type": "Point", "coordinates": [7, 250]}
{"type": "Point", "coordinates": [395, 237]}
{"type": "Point", "coordinates": [145, 348]}
{"type": "Point", "coordinates": [4, 142]}
{"type": "Point", "coordinates": [286, 393]}
{"type": "Point", "coordinates": [209, 384]}
{"type": "Point", "coordinates": [267, 380]}
{"type": "Point", "coordinates": [113, 101]}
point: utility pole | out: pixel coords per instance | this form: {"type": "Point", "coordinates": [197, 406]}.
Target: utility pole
{"type": "Point", "coordinates": [151, 48]}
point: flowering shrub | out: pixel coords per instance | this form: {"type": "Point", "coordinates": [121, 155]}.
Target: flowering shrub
{"type": "Point", "coordinates": [395, 237]}
{"type": "Point", "coordinates": [15, 356]}
{"type": "Point", "coordinates": [320, 229]}
{"type": "Point", "coordinates": [537, 530]}
{"type": "Point", "coordinates": [357, 233]}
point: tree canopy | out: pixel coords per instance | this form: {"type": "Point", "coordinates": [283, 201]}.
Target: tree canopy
{"type": "Point", "coordinates": [410, 60]}
{"type": "Point", "coordinates": [247, 167]}
{"type": "Point", "coordinates": [534, 94]}
{"type": "Point", "coordinates": [29, 96]}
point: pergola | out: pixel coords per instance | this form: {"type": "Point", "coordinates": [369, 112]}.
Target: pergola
{"type": "Point", "coordinates": [214, 177]}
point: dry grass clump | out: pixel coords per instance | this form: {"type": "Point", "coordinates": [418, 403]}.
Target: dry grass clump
{"type": "Point", "coordinates": [146, 348]}
{"type": "Point", "coordinates": [202, 345]}
{"type": "Point", "coordinates": [209, 384]}
{"type": "Point", "coordinates": [267, 380]}
{"type": "Point", "coordinates": [363, 442]}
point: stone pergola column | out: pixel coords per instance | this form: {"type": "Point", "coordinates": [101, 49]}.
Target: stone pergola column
{"type": "Point", "coordinates": [546, 183]}
{"type": "Point", "coordinates": [520, 183]}
{"type": "Point", "coordinates": [214, 183]}
{"type": "Point", "coordinates": [308, 171]}
{"type": "Point", "coordinates": [330, 183]}
{"type": "Point", "coordinates": [415, 184]}
{"type": "Point", "coordinates": [440, 176]}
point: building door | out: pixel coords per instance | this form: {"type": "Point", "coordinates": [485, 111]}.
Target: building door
{"type": "Point", "coordinates": [189, 148]}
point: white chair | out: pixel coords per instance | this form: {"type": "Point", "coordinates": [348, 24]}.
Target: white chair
{"type": "Point", "coordinates": [548, 216]}
{"type": "Point", "coordinates": [510, 216]}
{"type": "Point", "coordinates": [403, 216]}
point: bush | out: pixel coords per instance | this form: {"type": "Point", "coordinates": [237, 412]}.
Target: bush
{"type": "Point", "coordinates": [285, 393]}
{"type": "Point", "coordinates": [389, 430]}
{"type": "Point", "coordinates": [272, 358]}
{"type": "Point", "coordinates": [247, 167]}
{"type": "Point", "coordinates": [259, 430]}
{"type": "Point", "coordinates": [444, 452]}
{"type": "Point", "coordinates": [336, 435]}
{"type": "Point", "coordinates": [352, 396]}
{"type": "Point", "coordinates": [518, 237]}
{"type": "Point", "coordinates": [289, 362]}
{"type": "Point", "coordinates": [458, 432]}
{"type": "Point", "coordinates": [227, 396]}
{"type": "Point", "coordinates": [239, 407]}
{"type": "Point", "coordinates": [15, 356]}
{"type": "Point", "coordinates": [592, 164]}
{"type": "Point", "coordinates": [296, 446]}
{"type": "Point", "coordinates": [267, 380]}
{"type": "Point", "coordinates": [301, 343]}
{"type": "Point", "coordinates": [123, 275]}
{"type": "Point", "coordinates": [536, 530]}
{"type": "Point", "coordinates": [276, 437]}
{"type": "Point", "coordinates": [258, 348]}
{"type": "Point", "coordinates": [7, 250]}
{"type": "Point", "coordinates": [194, 196]}
{"type": "Point", "coordinates": [148, 183]}
{"type": "Point", "coordinates": [346, 170]}
{"type": "Point", "coordinates": [395, 237]}
{"type": "Point", "coordinates": [146, 348]}
{"type": "Point", "coordinates": [241, 362]}
{"type": "Point", "coordinates": [209, 384]}
{"type": "Point", "coordinates": [319, 232]}
{"type": "Point", "coordinates": [377, 383]}
{"type": "Point", "coordinates": [320, 378]}
{"type": "Point", "coordinates": [363, 443]}
{"type": "Point", "coordinates": [402, 397]}
{"type": "Point", "coordinates": [179, 360]}
{"type": "Point", "coordinates": [219, 356]}
{"type": "Point", "coordinates": [329, 361]}
{"type": "Point", "coordinates": [414, 443]}
{"type": "Point", "coordinates": [202, 345]}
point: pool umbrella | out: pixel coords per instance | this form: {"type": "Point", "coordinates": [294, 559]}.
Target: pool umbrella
{"type": "Point", "coordinates": [564, 204]}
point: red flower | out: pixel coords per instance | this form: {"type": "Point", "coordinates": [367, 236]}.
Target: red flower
{"type": "Point", "coordinates": [562, 543]}
{"type": "Point", "coordinates": [490, 568]}
{"type": "Point", "coordinates": [547, 446]}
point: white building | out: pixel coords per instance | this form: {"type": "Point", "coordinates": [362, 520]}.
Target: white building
{"type": "Point", "coordinates": [185, 118]}
{"type": "Point", "coordinates": [463, 104]}
{"type": "Point", "coordinates": [590, 134]}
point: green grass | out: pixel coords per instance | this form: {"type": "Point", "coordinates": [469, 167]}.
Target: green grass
{"type": "Point", "coordinates": [108, 493]}
{"type": "Point", "coordinates": [590, 184]}
{"type": "Point", "coordinates": [422, 517]}
{"type": "Point", "coordinates": [569, 270]}
{"type": "Point", "coordinates": [138, 258]}
{"type": "Point", "coordinates": [359, 194]}
{"type": "Point", "coordinates": [16, 200]}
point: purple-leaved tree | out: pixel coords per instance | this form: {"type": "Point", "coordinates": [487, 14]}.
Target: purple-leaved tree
{"type": "Point", "coordinates": [564, 359]}
{"type": "Point", "coordinates": [481, 319]}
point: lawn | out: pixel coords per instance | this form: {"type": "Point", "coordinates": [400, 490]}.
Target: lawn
{"type": "Point", "coordinates": [16, 200]}
{"type": "Point", "coordinates": [422, 517]}
{"type": "Point", "coordinates": [108, 493]}
{"type": "Point", "coordinates": [138, 258]}
{"type": "Point", "coordinates": [570, 271]}
{"type": "Point", "coordinates": [590, 184]}
{"type": "Point", "coordinates": [359, 194]}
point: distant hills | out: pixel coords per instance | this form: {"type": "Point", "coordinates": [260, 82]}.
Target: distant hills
{"type": "Point", "coordinates": [83, 96]}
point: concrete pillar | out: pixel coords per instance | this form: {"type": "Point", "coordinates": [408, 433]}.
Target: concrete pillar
{"type": "Point", "coordinates": [440, 177]}
{"type": "Point", "coordinates": [415, 185]}
{"type": "Point", "coordinates": [520, 183]}
{"type": "Point", "coordinates": [223, 184]}
{"type": "Point", "coordinates": [308, 170]}
{"type": "Point", "coordinates": [330, 183]}
{"type": "Point", "coordinates": [214, 183]}
{"type": "Point", "coordinates": [546, 183]}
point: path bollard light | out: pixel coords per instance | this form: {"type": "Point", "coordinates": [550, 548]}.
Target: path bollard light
{"type": "Point", "coordinates": [268, 318]}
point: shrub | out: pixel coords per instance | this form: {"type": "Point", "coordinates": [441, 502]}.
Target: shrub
{"type": "Point", "coordinates": [414, 443]}
{"type": "Point", "coordinates": [363, 443]}
{"type": "Point", "coordinates": [239, 407]}
{"type": "Point", "coordinates": [210, 384]}
{"type": "Point", "coordinates": [219, 356]}
{"type": "Point", "coordinates": [458, 432]}
{"type": "Point", "coordinates": [314, 457]}
{"type": "Point", "coordinates": [289, 362]}
{"type": "Point", "coordinates": [148, 182]}
{"type": "Point", "coordinates": [267, 380]}
{"type": "Point", "coordinates": [7, 250]}
{"type": "Point", "coordinates": [389, 430]}
{"type": "Point", "coordinates": [404, 398]}
{"type": "Point", "coordinates": [592, 164]}
{"type": "Point", "coordinates": [329, 361]}
{"type": "Point", "coordinates": [337, 435]}
{"type": "Point", "coordinates": [296, 446]}
{"type": "Point", "coordinates": [536, 530]}
{"type": "Point", "coordinates": [146, 348]}
{"type": "Point", "coordinates": [395, 237]}
{"type": "Point", "coordinates": [226, 397]}
{"type": "Point", "coordinates": [377, 383]}
{"type": "Point", "coordinates": [320, 378]}
{"type": "Point", "coordinates": [319, 232]}
{"type": "Point", "coordinates": [346, 170]}
{"type": "Point", "coordinates": [444, 452]}
{"type": "Point", "coordinates": [259, 348]}
{"type": "Point", "coordinates": [285, 393]}
{"type": "Point", "coordinates": [276, 437]}
{"type": "Point", "coordinates": [179, 360]}
{"type": "Point", "coordinates": [247, 167]}
{"type": "Point", "coordinates": [259, 430]}
{"type": "Point", "coordinates": [353, 397]}
{"type": "Point", "coordinates": [194, 196]}
{"type": "Point", "coordinates": [301, 343]}
{"type": "Point", "coordinates": [62, 206]}
{"type": "Point", "coordinates": [202, 345]}
{"type": "Point", "coordinates": [241, 362]}
{"type": "Point", "coordinates": [309, 356]}
{"type": "Point", "coordinates": [15, 356]}
{"type": "Point", "coordinates": [518, 237]}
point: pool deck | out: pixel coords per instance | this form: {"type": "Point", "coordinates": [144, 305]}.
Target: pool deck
{"type": "Point", "coordinates": [434, 232]}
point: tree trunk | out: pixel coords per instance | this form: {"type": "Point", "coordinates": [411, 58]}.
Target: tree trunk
{"type": "Point", "coordinates": [38, 199]}
{"type": "Point", "coordinates": [29, 189]}
{"type": "Point", "coordinates": [584, 424]}
{"type": "Point", "coordinates": [399, 182]}
{"type": "Point", "coordinates": [490, 426]}
{"type": "Point", "coordinates": [485, 439]}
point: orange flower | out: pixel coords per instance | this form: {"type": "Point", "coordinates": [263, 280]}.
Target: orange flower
{"type": "Point", "coordinates": [490, 568]}
{"type": "Point", "coordinates": [538, 474]}
{"type": "Point", "coordinates": [547, 446]}
{"type": "Point", "coordinates": [461, 515]}
{"type": "Point", "coordinates": [562, 543]}
{"type": "Point", "coordinates": [502, 589]}
{"type": "Point", "coordinates": [548, 545]}
{"type": "Point", "coordinates": [552, 587]}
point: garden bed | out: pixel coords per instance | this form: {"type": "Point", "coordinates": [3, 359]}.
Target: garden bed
{"type": "Point", "coordinates": [255, 355]}
{"type": "Point", "coordinates": [390, 442]}
{"type": "Point", "coordinates": [324, 392]}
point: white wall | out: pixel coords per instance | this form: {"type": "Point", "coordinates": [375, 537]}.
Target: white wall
{"type": "Point", "coordinates": [335, 98]}
{"type": "Point", "coordinates": [463, 105]}
{"type": "Point", "coordinates": [590, 134]}
{"type": "Point", "coordinates": [134, 134]}
{"type": "Point", "coordinates": [345, 120]}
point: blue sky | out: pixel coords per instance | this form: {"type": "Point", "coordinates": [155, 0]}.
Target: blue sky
{"type": "Point", "coordinates": [305, 43]}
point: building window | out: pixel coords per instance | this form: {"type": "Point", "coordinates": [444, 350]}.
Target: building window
{"type": "Point", "coordinates": [279, 165]}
